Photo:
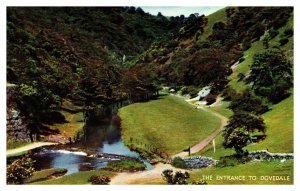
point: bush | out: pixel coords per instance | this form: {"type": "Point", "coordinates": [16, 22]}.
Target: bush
{"type": "Point", "coordinates": [210, 99]}
{"type": "Point", "coordinates": [229, 94]}
{"type": "Point", "coordinates": [288, 32]}
{"type": "Point", "coordinates": [241, 59]}
{"type": "Point", "coordinates": [130, 165]}
{"type": "Point", "coordinates": [179, 163]}
{"type": "Point", "coordinates": [283, 41]}
{"type": "Point", "coordinates": [19, 170]}
{"type": "Point", "coordinates": [191, 90]}
{"type": "Point", "coordinates": [273, 33]}
{"type": "Point", "coordinates": [100, 180]}
{"type": "Point", "coordinates": [241, 76]}
{"type": "Point", "coordinates": [175, 178]}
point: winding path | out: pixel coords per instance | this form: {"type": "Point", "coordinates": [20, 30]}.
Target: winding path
{"type": "Point", "coordinates": [154, 175]}
{"type": "Point", "coordinates": [28, 147]}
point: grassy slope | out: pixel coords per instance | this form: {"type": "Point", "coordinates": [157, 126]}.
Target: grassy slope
{"type": "Point", "coordinates": [168, 123]}
{"type": "Point", "coordinates": [276, 120]}
{"type": "Point", "coordinates": [76, 178]}
{"type": "Point", "coordinates": [217, 16]}
{"type": "Point", "coordinates": [258, 47]}
{"type": "Point", "coordinates": [257, 169]}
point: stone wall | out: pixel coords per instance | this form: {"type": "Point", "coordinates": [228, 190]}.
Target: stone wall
{"type": "Point", "coordinates": [265, 155]}
{"type": "Point", "coordinates": [198, 162]}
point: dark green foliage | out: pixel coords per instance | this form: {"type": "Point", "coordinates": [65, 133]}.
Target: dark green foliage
{"type": "Point", "coordinates": [191, 90]}
{"type": "Point", "coordinates": [210, 99]}
{"type": "Point", "coordinates": [179, 163]}
{"type": "Point", "coordinates": [241, 76]}
{"type": "Point", "coordinates": [229, 94]}
{"type": "Point", "coordinates": [273, 33]}
{"type": "Point", "coordinates": [246, 44]}
{"type": "Point", "coordinates": [241, 59]}
{"type": "Point", "coordinates": [99, 180]}
{"type": "Point", "coordinates": [249, 103]}
{"type": "Point", "coordinates": [283, 41]}
{"type": "Point", "coordinates": [237, 133]}
{"type": "Point", "coordinates": [271, 75]}
{"type": "Point", "coordinates": [19, 170]}
{"type": "Point", "coordinates": [175, 178]}
{"type": "Point", "coordinates": [288, 32]}
{"type": "Point", "coordinates": [129, 164]}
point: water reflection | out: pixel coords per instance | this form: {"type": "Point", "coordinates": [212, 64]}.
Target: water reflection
{"type": "Point", "coordinates": [103, 138]}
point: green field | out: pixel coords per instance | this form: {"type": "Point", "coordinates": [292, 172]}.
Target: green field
{"type": "Point", "coordinates": [168, 123]}
{"type": "Point", "coordinates": [256, 169]}
{"type": "Point", "coordinates": [76, 178]}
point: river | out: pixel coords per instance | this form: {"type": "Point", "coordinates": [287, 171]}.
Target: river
{"type": "Point", "coordinates": [100, 138]}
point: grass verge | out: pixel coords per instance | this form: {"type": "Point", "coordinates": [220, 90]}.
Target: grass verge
{"type": "Point", "coordinates": [76, 178]}
{"type": "Point", "coordinates": [46, 174]}
{"type": "Point", "coordinates": [262, 171]}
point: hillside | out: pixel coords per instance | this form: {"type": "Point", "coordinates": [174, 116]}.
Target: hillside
{"type": "Point", "coordinates": [114, 83]}
{"type": "Point", "coordinates": [280, 115]}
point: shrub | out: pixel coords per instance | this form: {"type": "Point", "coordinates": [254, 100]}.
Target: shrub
{"type": "Point", "coordinates": [19, 170]}
{"type": "Point", "coordinates": [100, 180]}
{"type": "Point", "coordinates": [210, 99]}
{"type": "Point", "coordinates": [273, 33]}
{"type": "Point", "coordinates": [288, 32]}
{"type": "Point", "coordinates": [179, 163]}
{"type": "Point", "coordinates": [175, 178]}
{"type": "Point", "coordinates": [241, 59]}
{"type": "Point", "coordinates": [283, 41]}
{"type": "Point", "coordinates": [191, 90]}
{"type": "Point", "coordinates": [129, 164]}
{"type": "Point", "coordinates": [241, 76]}
{"type": "Point", "coordinates": [229, 94]}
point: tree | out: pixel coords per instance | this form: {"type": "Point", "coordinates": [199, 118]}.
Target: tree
{"type": "Point", "coordinates": [101, 180]}
{"type": "Point", "coordinates": [248, 102]}
{"type": "Point", "coordinates": [271, 75]}
{"type": "Point", "coordinates": [19, 170]}
{"type": "Point", "coordinates": [239, 129]}
{"type": "Point", "coordinates": [175, 178]}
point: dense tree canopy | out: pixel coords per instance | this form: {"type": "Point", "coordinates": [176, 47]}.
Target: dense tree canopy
{"type": "Point", "coordinates": [271, 75]}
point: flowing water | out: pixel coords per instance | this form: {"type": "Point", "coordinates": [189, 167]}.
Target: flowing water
{"type": "Point", "coordinates": [101, 138]}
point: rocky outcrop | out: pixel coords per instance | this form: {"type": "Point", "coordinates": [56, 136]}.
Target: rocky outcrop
{"type": "Point", "coordinates": [265, 155]}
{"type": "Point", "coordinates": [198, 162]}
{"type": "Point", "coordinates": [16, 127]}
